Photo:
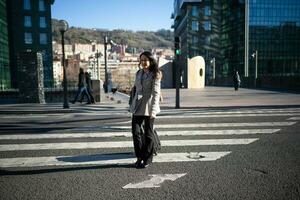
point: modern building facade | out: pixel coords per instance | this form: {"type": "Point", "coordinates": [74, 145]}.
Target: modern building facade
{"type": "Point", "coordinates": [5, 82]}
{"type": "Point", "coordinates": [274, 32]}
{"type": "Point", "coordinates": [259, 38]}
{"type": "Point", "coordinates": [29, 23]}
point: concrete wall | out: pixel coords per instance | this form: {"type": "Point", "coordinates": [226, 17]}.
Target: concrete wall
{"type": "Point", "coordinates": [167, 70]}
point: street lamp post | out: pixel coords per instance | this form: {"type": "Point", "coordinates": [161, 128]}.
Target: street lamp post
{"type": "Point", "coordinates": [98, 69]}
{"type": "Point", "coordinates": [63, 27]}
{"type": "Point", "coordinates": [105, 62]}
{"type": "Point", "coordinates": [213, 62]}
{"type": "Point", "coordinates": [246, 59]}
{"type": "Point", "coordinates": [255, 55]}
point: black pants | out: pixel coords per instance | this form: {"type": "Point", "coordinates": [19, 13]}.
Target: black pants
{"type": "Point", "coordinates": [143, 144]}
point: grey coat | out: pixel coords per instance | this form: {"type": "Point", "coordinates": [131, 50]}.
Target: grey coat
{"type": "Point", "coordinates": [145, 100]}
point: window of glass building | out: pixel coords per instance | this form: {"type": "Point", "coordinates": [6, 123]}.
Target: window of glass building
{"type": "Point", "coordinates": [43, 22]}
{"type": "Point", "coordinates": [195, 11]}
{"type": "Point", "coordinates": [207, 40]}
{"type": "Point", "coordinates": [43, 38]}
{"type": "Point", "coordinates": [27, 5]}
{"type": "Point", "coordinates": [28, 38]}
{"type": "Point", "coordinates": [41, 5]}
{"type": "Point", "coordinates": [195, 25]}
{"type": "Point", "coordinates": [195, 39]}
{"type": "Point", "coordinates": [207, 25]}
{"type": "Point", "coordinates": [27, 21]}
{"type": "Point", "coordinates": [207, 11]}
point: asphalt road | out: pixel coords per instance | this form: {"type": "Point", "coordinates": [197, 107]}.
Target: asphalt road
{"type": "Point", "coordinates": [265, 165]}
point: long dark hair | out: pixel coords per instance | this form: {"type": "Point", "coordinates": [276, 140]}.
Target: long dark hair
{"type": "Point", "coordinates": [153, 64]}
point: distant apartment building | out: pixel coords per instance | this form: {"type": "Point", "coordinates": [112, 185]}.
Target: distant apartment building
{"type": "Point", "coordinates": [164, 53]}
{"type": "Point", "coordinates": [5, 82]}
{"type": "Point", "coordinates": [57, 49]}
{"type": "Point", "coordinates": [57, 72]}
{"type": "Point", "coordinates": [29, 23]}
{"type": "Point", "coordinates": [119, 49]}
{"type": "Point", "coordinates": [232, 33]}
{"type": "Point", "coordinates": [84, 51]}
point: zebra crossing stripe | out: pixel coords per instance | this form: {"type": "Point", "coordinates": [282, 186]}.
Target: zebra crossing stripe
{"type": "Point", "coordinates": [294, 118]}
{"type": "Point", "coordinates": [121, 144]}
{"type": "Point", "coordinates": [233, 110]}
{"type": "Point", "coordinates": [262, 112]}
{"type": "Point", "coordinates": [208, 125]}
{"type": "Point", "coordinates": [197, 112]}
{"type": "Point", "coordinates": [107, 159]}
{"type": "Point", "coordinates": [200, 115]}
{"type": "Point", "coordinates": [128, 134]}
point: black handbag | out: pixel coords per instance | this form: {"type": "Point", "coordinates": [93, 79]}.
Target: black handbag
{"type": "Point", "coordinates": [156, 140]}
{"type": "Point", "coordinates": [131, 95]}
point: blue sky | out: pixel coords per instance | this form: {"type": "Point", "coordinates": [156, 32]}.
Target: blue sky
{"type": "Point", "coordinates": [148, 15]}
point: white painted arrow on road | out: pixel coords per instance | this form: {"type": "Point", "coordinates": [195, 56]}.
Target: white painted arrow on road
{"type": "Point", "coordinates": [155, 181]}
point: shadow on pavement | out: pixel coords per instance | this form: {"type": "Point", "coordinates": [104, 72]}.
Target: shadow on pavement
{"type": "Point", "coordinates": [78, 159]}
{"type": "Point", "coordinates": [41, 129]}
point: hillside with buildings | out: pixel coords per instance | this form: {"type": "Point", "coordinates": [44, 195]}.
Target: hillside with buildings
{"type": "Point", "coordinates": [84, 48]}
{"type": "Point", "coordinates": [135, 41]}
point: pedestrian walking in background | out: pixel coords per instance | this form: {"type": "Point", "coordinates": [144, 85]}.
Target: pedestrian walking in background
{"type": "Point", "coordinates": [82, 87]}
{"type": "Point", "coordinates": [89, 89]}
{"type": "Point", "coordinates": [144, 105]}
{"type": "Point", "coordinates": [236, 80]}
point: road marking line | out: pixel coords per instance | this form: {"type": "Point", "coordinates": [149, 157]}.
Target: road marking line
{"type": "Point", "coordinates": [231, 115]}
{"type": "Point", "coordinates": [208, 125]}
{"type": "Point", "coordinates": [233, 110]}
{"type": "Point", "coordinates": [129, 134]}
{"type": "Point", "coordinates": [154, 182]}
{"type": "Point", "coordinates": [294, 118]}
{"type": "Point", "coordinates": [196, 112]}
{"type": "Point", "coordinates": [121, 144]}
{"type": "Point", "coordinates": [106, 159]}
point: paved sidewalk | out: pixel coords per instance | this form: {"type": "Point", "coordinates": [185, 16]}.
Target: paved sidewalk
{"type": "Point", "coordinates": [224, 97]}
{"type": "Point", "coordinates": [189, 98]}
{"type": "Point", "coordinates": [227, 97]}
{"type": "Point", "coordinates": [53, 108]}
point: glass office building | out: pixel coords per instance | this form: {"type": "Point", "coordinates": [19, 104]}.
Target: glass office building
{"type": "Point", "coordinates": [274, 31]}
{"type": "Point", "coordinates": [4, 49]}
{"type": "Point", "coordinates": [197, 24]}
{"type": "Point", "coordinates": [30, 29]}
{"type": "Point", "coordinates": [242, 35]}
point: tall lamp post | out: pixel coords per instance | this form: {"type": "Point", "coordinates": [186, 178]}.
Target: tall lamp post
{"type": "Point", "coordinates": [63, 27]}
{"type": "Point", "coordinates": [106, 42]}
{"type": "Point", "coordinates": [213, 62]}
{"type": "Point", "coordinates": [255, 55]}
{"type": "Point", "coordinates": [98, 69]}
{"type": "Point", "coordinates": [105, 62]}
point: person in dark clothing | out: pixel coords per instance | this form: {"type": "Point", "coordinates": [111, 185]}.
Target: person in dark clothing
{"type": "Point", "coordinates": [88, 81]}
{"type": "Point", "coordinates": [82, 87]}
{"type": "Point", "coordinates": [236, 80]}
